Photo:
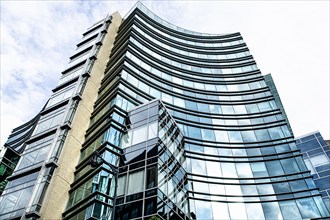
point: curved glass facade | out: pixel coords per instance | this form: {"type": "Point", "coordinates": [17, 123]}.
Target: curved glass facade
{"type": "Point", "coordinates": [240, 157]}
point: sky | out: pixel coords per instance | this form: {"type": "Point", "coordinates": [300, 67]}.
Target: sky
{"type": "Point", "coordinates": [289, 39]}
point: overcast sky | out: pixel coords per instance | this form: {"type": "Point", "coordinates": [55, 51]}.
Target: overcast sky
{"type": "Point", "coordinates": [289, 39]}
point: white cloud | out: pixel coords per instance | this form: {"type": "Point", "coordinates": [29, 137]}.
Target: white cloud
{"type": "Point", "coordinates": [288, 39]}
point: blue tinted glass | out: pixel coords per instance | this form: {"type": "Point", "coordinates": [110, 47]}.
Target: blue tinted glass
{"type": "Point", "coordinates": [323, 167]}
{"type": "Point", "coordinates": [271, 210]}
{"type": "Point", "coordinates": [262, 135]}
{"type": "Point", "coordinates": [289, 210]}
{"type": "Point", "coordinates": [274, 168]}
{"type": "Point", "coordinates": [309, 145]}
{"type": "Point", "coordinates": [290, 166]}
{"type": "Point", "coordinates": [191, 105]}
{"type": "Point", "coordinates": [194, 132]}
{"type": "Point", "coordinates": [323, 183]}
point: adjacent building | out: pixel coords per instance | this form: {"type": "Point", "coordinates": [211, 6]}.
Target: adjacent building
{"type": "Point", "coordinates": [153, 121]}
{"type": "Point", "coordinates": [316, 154]}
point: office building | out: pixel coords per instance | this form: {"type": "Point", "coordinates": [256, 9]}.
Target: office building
{"type": "Point", "coordinates": [316, 154]}
{"type": "Point", "coordinates": [152, 121]}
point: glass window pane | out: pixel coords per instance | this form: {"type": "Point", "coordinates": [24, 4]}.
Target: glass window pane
{"type": "Point", "coordinates": [121, 185]}
{"type": "Point", "coordinates": [271, 210]}
{"type": "Point", "coordinates": [153, 130]}
{"type": "Point", "coordinates": [135, 183]}
{"type": "Point", "coordinates": [308, 208]}
{"type": "Point", "coordinates": [289, 210]}
{"type": "Point", "coordinates": [254, 211]}
{"type": "Point", "coordinates": [139, 135]}
{"type": "Point", "coordinates": [220, 210]}
{"type": "Point", "coordinates": [237, 211]}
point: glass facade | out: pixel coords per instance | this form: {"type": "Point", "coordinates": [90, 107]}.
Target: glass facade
{"type": "Point", "coordinates": [185, 125]}
{"type": "Point", "coordinates": [316, 154]}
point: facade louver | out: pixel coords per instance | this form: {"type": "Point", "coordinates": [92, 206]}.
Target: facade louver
{"type": "Point", "coordinates": [152, 121]}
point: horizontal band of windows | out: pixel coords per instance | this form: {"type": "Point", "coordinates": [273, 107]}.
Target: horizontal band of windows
{"type": "Point", "coordinates": [222, 96]}
{"type": "Point", "coordinates": [103, 98]}
{"type": "Point", "coordinates": [217, 72]}
{"type": "Point", "coordinates": [73, 68]}
{"type": "Point", "coordinates": [86, 40]}
{"type": "Point", "coordinates": [21, 134]}
{"type": "Point", "coordinates": [55, 107]}
{"type": "Point", "coordinates": [101, 131]}
{"type": "Point", "coordinates": [92, 30]}
{"type": "Point", "coordinates": [63, 84]}
{"type": "Point", "coordinates": [113, 109]}
{"type": "Point", "coordinates": [86, 162]}
{"type": "Point", "coordinates": [239, 160]}
{"type": "Point", "coordinates": [293, 197]}
{"type": "Point", "coordinates": [210, 79]}
{"type": "Point", "coordinates": [100, 126]}
{"type": "Point", "coordinates": [244, 145]}
{"type": "Point", "coordinates": [268, 179]}
{"type": "Point", "coordinates": [185, 62]}
{"type": "Point", "coordinates": [139, 17]}
{"type": "Point", "coordinates": [28, 168]}
{"type": "Point", "coordinates": [231, 127]}
{"type": "Point", "coordinates": [204, 78]}
{"type": "Point", "coordinates": [192, 153]}
{"type": "Point", "coordinates": [194, 99]}
{"type": "Point", "coordinates": [115, 73]}
{"type": "Point", "coordinates": [251, 196]}
{"type": "Point", "coordinates": [105, 146]}
{"type": "Point", "coordinates": [80, 54]}
{"type": "Point", "coordinates": [185, 58]}
{"type": "Point", "coordinates": [138, 27]}
{"type": "Point", "coordinates": [114, 90]}
{"type": "Point", "coordinates": [225, 125]}
{"type": "Point", "coordinates": [146, 34]}
{"type": "Point", "coordinates": [202, 38]}
{"type": "Point", "coordinates": [237, 146]}
{"type": "Point", "coordinates": [84, 203]}
{"type": "Point", "coordinates": [230, 45]}
{"type": "Point", "coordinates": [275, 141]}
{"type": "Point", "coordinates": [113, 63]}
{"type": "Point", "coordinates": [122, 38]}
{"type": "Point", "coordinates": [275, 200]}
{"type": "Point", "coordinates": [25, 126]}
{"type": "Point", "coordinates": [221, 44]}
{"type": "Point", "coordinates": [40, 136]}
{"type": "Point", "coordinates": [223, 116]}
{"type": "Point", "coordinates": [22, 174]}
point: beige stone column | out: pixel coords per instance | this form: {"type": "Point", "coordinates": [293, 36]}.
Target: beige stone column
{"type": "Point", "coordinates": [57, 193]}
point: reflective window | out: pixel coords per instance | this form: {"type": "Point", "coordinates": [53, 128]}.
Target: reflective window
{"type": "Point", "coordinates": [237, 211]}
{"type": "Point", "coordinates": [271, 210]}
{"type": "Point", "coordinates": [318, 159]}
{"type": "Point", "coordinates": [135, 183]}
{"type": "Point", "coordinates": [289, 210]}
{"type": "Point", "coordinates": [254, 211]}
{"type": "Point", "coordinates": [220, 210]}
{"type": "Point", "coordinates": [204, 210]}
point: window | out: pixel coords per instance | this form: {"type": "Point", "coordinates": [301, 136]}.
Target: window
{"type": "Point", "coordinates": [61, 95]}
{"type": "Point", "coordinates": [49, 120]}
{"type": "Point", "coordinates": [318, 159]}
{"type": "Point", "coordinates": [136, 182]}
